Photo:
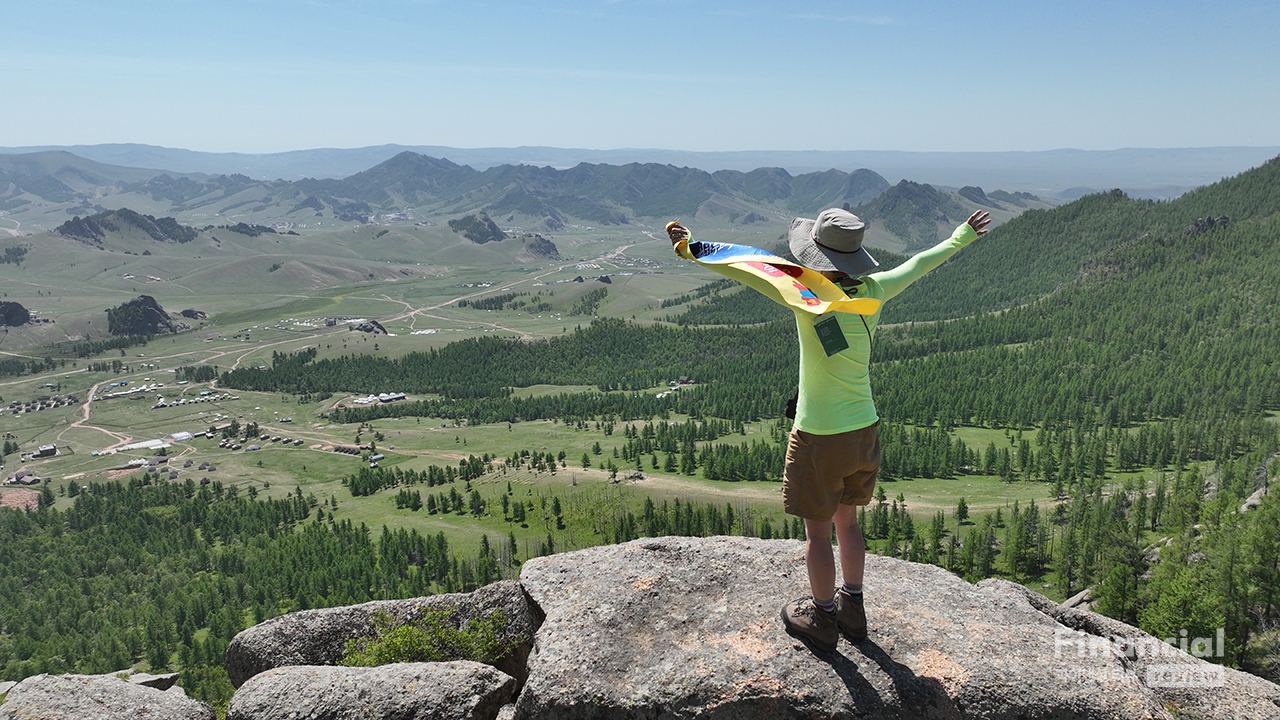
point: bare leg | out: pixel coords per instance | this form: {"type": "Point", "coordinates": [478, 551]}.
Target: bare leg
{"type": "Point", "coordinates": [853, 549]}
{"type": "Point", "coordinates": [818, 559]}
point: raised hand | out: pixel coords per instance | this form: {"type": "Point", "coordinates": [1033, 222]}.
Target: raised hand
{"type": "Point", "coordinates": [979, 221]}
{"type": "Point", "coordinates": [677, 232]}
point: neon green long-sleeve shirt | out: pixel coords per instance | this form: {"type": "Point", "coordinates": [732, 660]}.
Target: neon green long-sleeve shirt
{"type": "Point", "coordinates": [835, 391]}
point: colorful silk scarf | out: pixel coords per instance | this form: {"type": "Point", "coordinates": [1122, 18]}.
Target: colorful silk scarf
{"type": "Point", "coordinates": [778, 279]}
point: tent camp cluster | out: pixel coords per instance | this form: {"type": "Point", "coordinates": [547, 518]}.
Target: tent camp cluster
{"type": "Point", "coordinates": [380, 398]}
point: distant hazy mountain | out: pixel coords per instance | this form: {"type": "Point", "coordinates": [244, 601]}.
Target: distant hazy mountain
{"type": "Point", "coordinates": [410, 186]}
{"type": "Point", "coordinates": [1140, 172]}
{"type": "Point", "coordinates": [917, 213]}
{"type": "Point", "coordinates": [61, 177]}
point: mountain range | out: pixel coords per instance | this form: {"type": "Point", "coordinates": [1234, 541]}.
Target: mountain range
{"type": "Point", "coordinates": [1063, 174]}
{"type": "Point", "coordinates": [40, 191]}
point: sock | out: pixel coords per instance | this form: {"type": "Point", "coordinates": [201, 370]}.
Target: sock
{"type": "Point", "coordinates": [828, 606]}
{"type": "Point", "coordinates": [854, 591]}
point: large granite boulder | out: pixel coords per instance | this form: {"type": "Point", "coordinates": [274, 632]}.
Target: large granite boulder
{"type": "Point", "coordinates": [1178, 680]}
{"type": "Point", "coordinates": [96, 697]}
{"type": "Point", "coordinates": [461, 690]}
{"type": "Point", "coordinates": [683, 627]}
{"type": "Point", "coordinates": [318, 637]}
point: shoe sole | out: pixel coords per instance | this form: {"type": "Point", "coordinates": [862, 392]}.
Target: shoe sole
{"type": "Point", "coordinates": [809, 642]}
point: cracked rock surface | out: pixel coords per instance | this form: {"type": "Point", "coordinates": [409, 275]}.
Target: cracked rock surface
{"type": "Point", "coordinates": [685, 627]}
{"type": "Point", "coordinates": [460, 690]}
{"type": "Point", "coordinates": [96, 697]}
{"type": "Point", "coordinates": [1215, 692]}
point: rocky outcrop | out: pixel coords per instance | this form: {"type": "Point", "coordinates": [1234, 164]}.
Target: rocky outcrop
{"type": "Point", "coordinates": [684, 627]}
{"type": "Point", "coordinates": [1177, 680]}
{"type": "Point", "coordinates": [95, 228]}
{"type": "Point", "coordinates": [249, 229]}
{"type": "Point", "coordinates": [1204, 225]}
{"type": "Point", "coordinates": [164, 681]}
{"type": "Point", "coordinates": [974, 194]}
{"type": "Point", "coordinates": [1254, 500]}
{"type": "Point", "coordinates": [479, 228]}
{"type": "Point", "coordinates": [1081, 600]}
{"type": "Point", "coordinates": [690, 628]}
{"type": "Point", "coordinates": [318, 637]}
{"type": "Point", "coordinates": [537, 247]}
{"type": "Point", "coordinates": [373, 327]}
{"type": "Point", "coordinates": [141, 316]}
{"type": "Point", "coordinates": [96, 697]}
{"type": "Point", "coordinates": [405, 691]}
{"type": "Point", "coordinates": [13, 314]}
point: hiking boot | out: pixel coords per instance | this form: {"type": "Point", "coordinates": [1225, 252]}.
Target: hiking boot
{"type": "Point", "coordinates": [806, 623]}
{"type": "Point", "coordinates": [851, 616]}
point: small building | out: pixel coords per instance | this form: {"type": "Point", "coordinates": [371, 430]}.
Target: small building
{"type": "Point", "coordinates": [23, 477]}
{"type": "Point", "coordinates": [144, 445]}
{"type": "Point", "coordinates": [46, 451]}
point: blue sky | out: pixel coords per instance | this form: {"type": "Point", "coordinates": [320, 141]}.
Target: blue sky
{"type": "Point", "coordinates": [273, 75]}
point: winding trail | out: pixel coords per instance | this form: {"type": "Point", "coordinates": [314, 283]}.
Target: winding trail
{"type": "Point", "coordinates": [16, 230]}
{"type": "Point", "coordinates": [84, 420]}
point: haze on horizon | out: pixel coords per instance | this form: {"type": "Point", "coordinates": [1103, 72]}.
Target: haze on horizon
{"type": "Point", "coordinates": [260, 77]}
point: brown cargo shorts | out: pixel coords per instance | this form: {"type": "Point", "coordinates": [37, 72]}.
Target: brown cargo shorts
{"type": "Point", "coordinates": [823, 471]}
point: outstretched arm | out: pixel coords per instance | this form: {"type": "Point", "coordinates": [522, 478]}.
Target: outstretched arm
{"type": "Point", "coordinates": [896, 280]}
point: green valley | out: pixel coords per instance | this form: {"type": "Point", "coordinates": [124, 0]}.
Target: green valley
{"type": "Point", "coordinates": [415, 397]}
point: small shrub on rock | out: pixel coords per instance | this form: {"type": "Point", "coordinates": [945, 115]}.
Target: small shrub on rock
{"type": "Point", "coordinates": [431, 639]}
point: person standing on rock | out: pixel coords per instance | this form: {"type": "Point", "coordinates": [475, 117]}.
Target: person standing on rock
{"type": "Point", "coordinates": [833, 455]}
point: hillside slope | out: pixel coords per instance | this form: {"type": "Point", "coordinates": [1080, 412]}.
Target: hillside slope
{"type": "Point", "coordinates": [1175, 318]}
{"type": "Point", "coordinates": [1041, 250]}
